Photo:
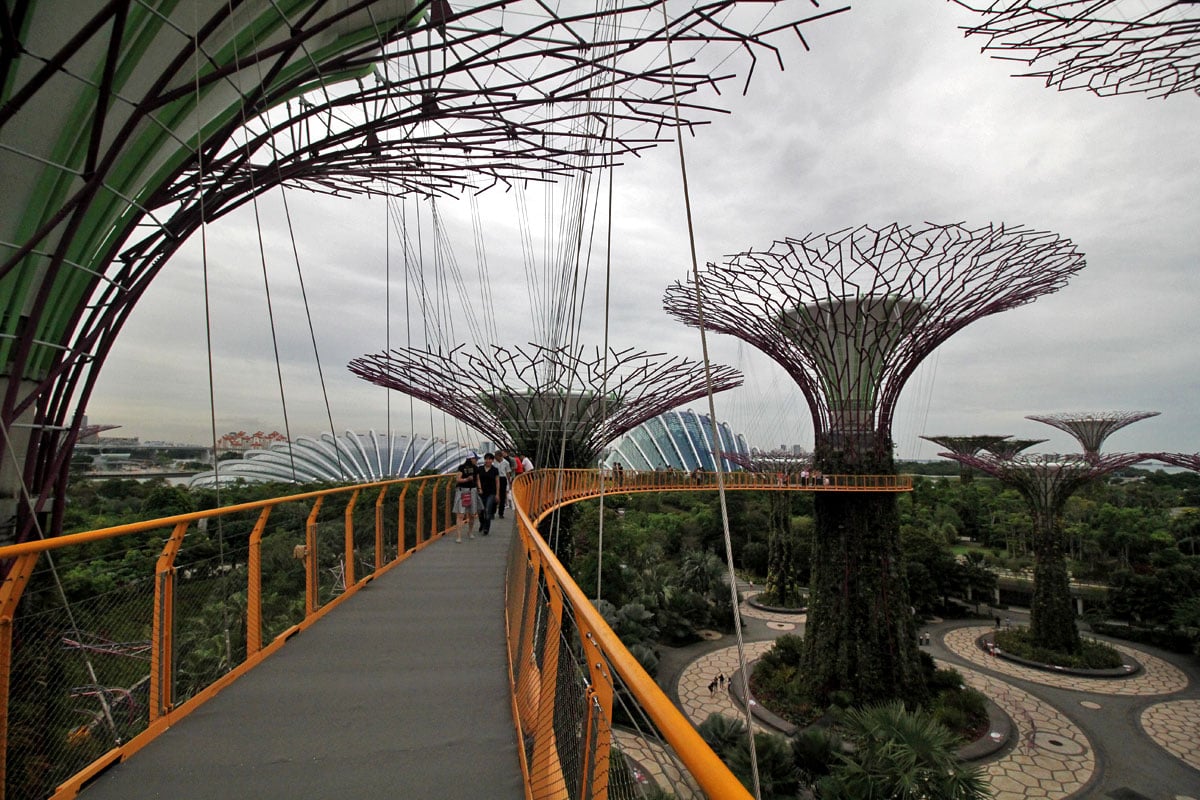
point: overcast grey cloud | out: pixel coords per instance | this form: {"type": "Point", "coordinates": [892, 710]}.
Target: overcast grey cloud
{"type": "Point", "coordinates": [894, 115]}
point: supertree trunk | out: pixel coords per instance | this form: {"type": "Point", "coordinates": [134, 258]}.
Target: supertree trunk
{"type": "Point", "coordinates": [861, 634]}
{"type": "Point", "coordinates": [784, 586]}
{"type": "Point", "coordinates": [1051, 614]}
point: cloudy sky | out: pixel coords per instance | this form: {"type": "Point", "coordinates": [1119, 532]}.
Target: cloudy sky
{"type": "Point", "coordinates": [893, 116]}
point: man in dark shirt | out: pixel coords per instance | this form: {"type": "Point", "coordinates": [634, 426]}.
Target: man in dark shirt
{"type": "Point", "coordinates": [489, 478]}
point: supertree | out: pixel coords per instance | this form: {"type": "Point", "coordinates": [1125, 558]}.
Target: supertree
{"type": "Point", "coordinates": [1010, 447]}
{"type": "Point", "coordinates": [545, 401]}
{"type": "Point", "coordinates": [966, 444]}
{"type": "Point", "coordinates": [1046, 482]}
{"type": "Point", "coordinates": [849, 316]}
{"type": "Point", "coordinates": [1107, 47]}
{"type": "Point", "coordinates": [1186, 460]}
{"type": "Point", "coordinates": [1091, 428]}
{"type": "Point", "coordinates": [125, 127]}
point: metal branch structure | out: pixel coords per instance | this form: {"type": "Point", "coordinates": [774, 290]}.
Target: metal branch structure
{"type": "Point", "coordinates": [1091, 428]}
{"type": "Point", "coordinates": [1046, 482]}
{"type": "Point", "coordinates": [967, 445]}
{"type": "Point", "coordinates": [1106, 47]}
{"type": "Point", "coordinates": [543, 401]}
{"type": "Point", "coordinates": [1186, 460]}
{"type": "Point", "coordinates": [850, 315]}
{"type": "Point", "coordinates": [125, 126]}
{"type": "Point", "coordinates": [1009, 448]}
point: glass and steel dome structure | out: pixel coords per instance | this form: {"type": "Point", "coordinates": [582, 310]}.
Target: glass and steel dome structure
{"type": "Point", "coordinates": [349, 457]}
{"type": "Point", "coordinates": [677, 440]}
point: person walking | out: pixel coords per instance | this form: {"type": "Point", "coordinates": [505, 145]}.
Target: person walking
{"type": "Point", "coordinates": [504, 469]}
{"type": "Point", "coordinates": [526, 465]}
{"type": "Point", "coordinates": [488, 479]}
{"type": "Point", "coordinates": [464, 496]}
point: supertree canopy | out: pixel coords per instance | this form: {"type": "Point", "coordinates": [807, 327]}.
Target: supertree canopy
{"type": "Point", "coordinates": [1046, 482]}
{"type": "Point", "coordinates": [1008, 448]}
{"type": "Point", "coordinates": [1091, 428]}
{"type": "Point", "coordinates": [542, 401]}
{"type": "Point", "coordinates": [1107, 47]}
{"type": "Point", "coordinates": [1186, 460]}
{"type": "Point", "coordinates": [126, 126]}
{"type": "Point", "coordinates": [969, 445]}
{"type": "Point", "coordinates": [850, 315]}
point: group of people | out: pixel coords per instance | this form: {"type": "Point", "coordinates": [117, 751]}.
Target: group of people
{"type": "Point", "coordinates": [717, 683]}
{"type": "Point", "coordinates": [481, 491]}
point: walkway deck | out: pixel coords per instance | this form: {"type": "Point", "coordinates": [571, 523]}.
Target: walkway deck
{"type": "Point", "coordinates": [400, 692]}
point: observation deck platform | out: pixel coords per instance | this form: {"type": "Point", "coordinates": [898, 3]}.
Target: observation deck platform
{"type": "Point", "coordinates": [402, 692]}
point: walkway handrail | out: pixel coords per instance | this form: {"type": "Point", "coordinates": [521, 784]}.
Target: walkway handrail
{"type": "Point", "coordinates": [292, 560]}
{"type": "Point", "coordinates": [561, 761]}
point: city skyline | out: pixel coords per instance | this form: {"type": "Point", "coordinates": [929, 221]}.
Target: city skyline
{"type": "Point", "coordinates": [894, 115]}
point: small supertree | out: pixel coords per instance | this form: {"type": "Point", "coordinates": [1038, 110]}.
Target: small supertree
{"type": "Point", "coordinates": [1091, 428]}
{"type": "Point", "coordinates": [545, 401]}
{"type": "Point", "coordinates": [1186, 460]}
{"type": "Point", "coordinates": [1010, 447]}
{"type": "Point", "coordinates": [1046, 482]}
{"type": "Point", "coordinates": [1107, 47]}
{"type": "Point", "coordinates": [850, 316]}
{"type": "Point", "coordinates": [970, 445]}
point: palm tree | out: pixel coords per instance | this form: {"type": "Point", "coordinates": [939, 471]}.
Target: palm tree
{"type": "Point", "coordinates": [900, 755]}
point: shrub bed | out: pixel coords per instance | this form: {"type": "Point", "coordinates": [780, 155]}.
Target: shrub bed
{"type": "Point", "coordinates": [1092, 654]}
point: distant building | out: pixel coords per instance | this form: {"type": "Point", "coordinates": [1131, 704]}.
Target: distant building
{"type": "Point", "coordinates": [676, 440]}
{"type": "Point", "coordinates": [349, 457]}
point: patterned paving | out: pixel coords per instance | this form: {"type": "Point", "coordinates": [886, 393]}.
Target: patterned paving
{"type": "Point", "coordinates": [1052, 758]}
{"type": "Point", "coordinates": [771, 616]}
{"type": "Point", "coordinates": [695, 699]}
{"type": "Point", "coordinates": [1157, 676]}
{"type": "Point", "coordinates": [659, 763]}
{"type": "Point", "coordinates": [1175, 726]}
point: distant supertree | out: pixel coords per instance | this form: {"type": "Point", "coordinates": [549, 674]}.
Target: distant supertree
{"type": "Point", "coordinates": [545, 401]}
{"type": "Point", "coordinates": [1008, 448]}
{"type": "Point", "coordinates": [1107, 47]}
{"type": "Point", "coordinates": [1046, 482]}
{"type": "Point", "coordinates": [968, 445]}
{"type": "Point", "coordinates": [850, 316]}
{"type": "Point", "coordinates": [1091, 428]}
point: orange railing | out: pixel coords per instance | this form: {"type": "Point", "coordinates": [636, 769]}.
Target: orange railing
{"type": "Point", "coordinates": [198, 599]}
{"type": "Point", "coordinates": [582, 702]}
{"type": "Point", "coordinates": [201, 597]}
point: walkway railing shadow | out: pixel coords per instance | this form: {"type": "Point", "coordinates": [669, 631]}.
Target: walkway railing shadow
{"type": "Point", "coordinates": [123, 631]}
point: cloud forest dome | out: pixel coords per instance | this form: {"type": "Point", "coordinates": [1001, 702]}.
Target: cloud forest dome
{"type": "Point", "coordinates": [127, 126]}
{"type": "Point", "coordinates": [349, 457]}
{"type": "Point", "coordinates": [679, 439]}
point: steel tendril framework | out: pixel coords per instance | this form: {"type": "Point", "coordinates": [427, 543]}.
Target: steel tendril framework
{"type": "Point", "coordinates": [126, 127]}
{"type": "Point", "coordinates": [850, 315]}
{"type": "Point", "coordinates": [533, 399]}
{"type": "Point", "coordinates": [1106, 47]}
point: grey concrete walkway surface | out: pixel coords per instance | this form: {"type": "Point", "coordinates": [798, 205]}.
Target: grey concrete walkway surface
{"type": "Point", "coordinates": [400, 692]}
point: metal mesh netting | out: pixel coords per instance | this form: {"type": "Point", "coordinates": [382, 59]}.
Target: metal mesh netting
{"type": "Point", "coordinates": [573, 745]}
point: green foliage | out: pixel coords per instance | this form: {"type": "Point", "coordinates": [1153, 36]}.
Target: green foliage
{"type": "Point", "coordinates": [722, 733]}
{"type": "Point", "coordinates": [899, 755]}
{"type": "Point", "coordinates": [777, 777]}
{"type": "Point", "coordinates": [1091, 654]}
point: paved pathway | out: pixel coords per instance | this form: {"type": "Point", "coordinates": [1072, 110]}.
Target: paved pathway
{"type": "Point", "coordinates": [1052, 755]}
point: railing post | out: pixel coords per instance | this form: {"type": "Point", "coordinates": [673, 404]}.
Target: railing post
{"type": "Point", "coordinates": [162, 636]}
{"type": "Point", "coordinates": [421, 513]}
{"type": "Point", "coordinates": [254, 585]}
{"type": "Point", "coordinates": [597, 750]}
{"type": "Point", "coordinates": [311, 579]}
{"type": "Point", "coordinates": [379, 528]}
{"type": "Point", "coordinates": [349, 539]}
{"type": "Point", "coordinates": [10, 595]}
{"type": "Point", "coordinates": [400, 550]}
{"type": "Point", "coordinates": [545, 767]}
{"type": "Point", "coordinates": [433, 509]}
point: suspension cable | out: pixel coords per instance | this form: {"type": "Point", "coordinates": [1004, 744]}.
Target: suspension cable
{"type": "Point", "coordinates": [718, 466]}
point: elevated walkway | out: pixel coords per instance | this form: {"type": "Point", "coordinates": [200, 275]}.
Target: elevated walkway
{"type": "Point", "coordinates": [403, 692]}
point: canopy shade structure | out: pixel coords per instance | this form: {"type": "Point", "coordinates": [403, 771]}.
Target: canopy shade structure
{"type": "Point", "coordinates": [127, 125]}
{"type": "Point", "coordinates": [1106, 47]}
{"type": "Point", "coordinates": [1091, 428]}
{"type": "Point", "coordinates": [546, 400]}
{"type": "Point", "coordinates": [849, 315]}
{"type": "Point", "coordinates": [1010, 447]}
